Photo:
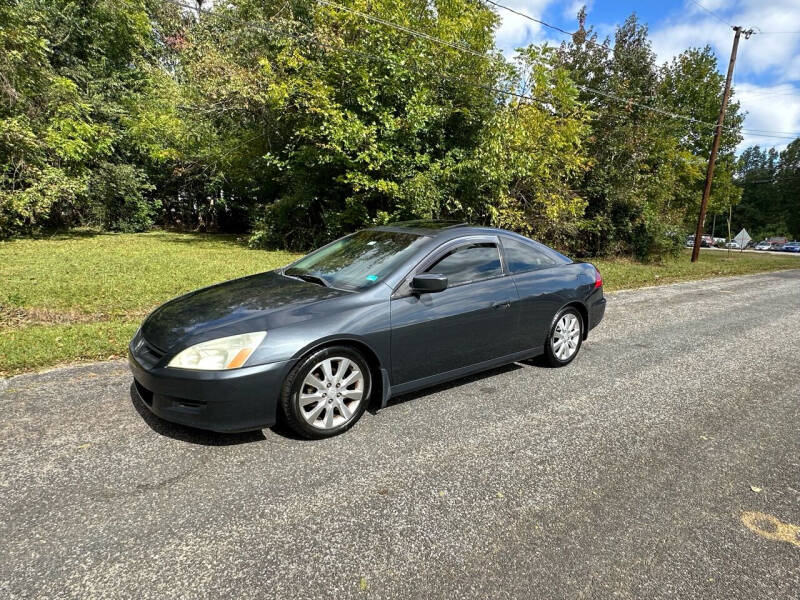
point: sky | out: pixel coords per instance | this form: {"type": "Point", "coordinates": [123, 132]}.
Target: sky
{"type": "Point", "coordinates": [767, 76]}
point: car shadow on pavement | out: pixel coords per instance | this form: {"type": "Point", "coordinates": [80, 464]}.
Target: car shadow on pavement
{"type": "Point", "coordinates": [184, 433]}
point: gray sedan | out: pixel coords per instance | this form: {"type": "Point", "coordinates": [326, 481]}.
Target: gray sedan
{"type": "Point", "coordinates": [381, 312]}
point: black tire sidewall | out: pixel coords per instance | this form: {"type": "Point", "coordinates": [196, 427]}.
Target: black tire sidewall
{"type": "Point", "coordinates": [291, 391]}
{"type": "Point", "coordinates": [552, 359]}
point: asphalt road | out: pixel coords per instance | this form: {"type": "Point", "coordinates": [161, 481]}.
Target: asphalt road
{"type": "Point", "coordinates": [626, 474]}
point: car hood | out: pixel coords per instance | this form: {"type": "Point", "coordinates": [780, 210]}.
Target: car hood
{"type": "Point", "coordinates": [237, 306]}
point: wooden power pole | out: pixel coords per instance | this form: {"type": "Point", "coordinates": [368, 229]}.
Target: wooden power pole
{"type": "Point", "coordinates": [701, 219]}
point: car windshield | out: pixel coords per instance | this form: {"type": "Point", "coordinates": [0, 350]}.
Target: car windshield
{"type": "Point", "coordinates": [357, 261]}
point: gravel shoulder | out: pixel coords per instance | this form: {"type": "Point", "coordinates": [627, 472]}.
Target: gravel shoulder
{"type": "Point", "coordinates": [628, 473]}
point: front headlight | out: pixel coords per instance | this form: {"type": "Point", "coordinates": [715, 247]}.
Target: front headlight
{"type": "Point", "coordinates": [220, 354]}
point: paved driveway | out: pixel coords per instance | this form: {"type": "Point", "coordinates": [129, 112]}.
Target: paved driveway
{"type": "Point", "coordinates": [664, 462]}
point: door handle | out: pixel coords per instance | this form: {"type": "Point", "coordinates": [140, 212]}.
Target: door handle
{"type": "Point", "coordinates": [502, 304]}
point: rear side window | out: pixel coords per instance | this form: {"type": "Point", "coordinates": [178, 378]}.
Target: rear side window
{"type": "Point", "coordinates": [521, 257]}
{"type": "Point", "coordinates": [472, 262]}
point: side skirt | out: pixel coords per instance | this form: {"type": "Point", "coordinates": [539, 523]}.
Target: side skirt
{"type": "Point", "coordinates": [411, 386]}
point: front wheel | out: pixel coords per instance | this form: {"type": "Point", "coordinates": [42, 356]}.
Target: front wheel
{"type": "Point", "coordinates": [564, 341]}
{"type": "Point", "coordinates": [326, 392]}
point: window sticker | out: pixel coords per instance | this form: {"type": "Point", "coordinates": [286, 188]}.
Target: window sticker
{"type": "Point", "coordinates": [372, 278]}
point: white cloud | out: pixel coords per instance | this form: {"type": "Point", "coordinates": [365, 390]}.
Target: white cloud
{"type": "Point", "coordinates": [769, 108]}
{"type": "Point", "coordinates": [572, 7]}
{"type": "Point", "coordinates": [711, 5]}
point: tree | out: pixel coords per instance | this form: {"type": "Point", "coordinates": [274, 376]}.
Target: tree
{"type": "Point", "coordinates": [67, 70]}
{"type": "Point", "coordinates": [770, 184]}
{"type": "Point", "coordinates": [300, 121]}
{"type": "Point", "coordinates": [692, 85]}
{"type": "Point", "coordinates": [647, 169]}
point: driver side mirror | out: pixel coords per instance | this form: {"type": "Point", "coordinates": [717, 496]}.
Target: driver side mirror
{"type": "Point", "coordinates": [428, 283]}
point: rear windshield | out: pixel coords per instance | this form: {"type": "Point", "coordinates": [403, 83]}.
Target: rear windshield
{"type": "Point", "coordinates": [357, 261]}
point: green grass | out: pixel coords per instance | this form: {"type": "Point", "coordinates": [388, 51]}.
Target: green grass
{"type": "Point", "coordinates": [80, 296]}
{"type": "Point", "coordinates": [36, 346]}
{"type": "Point", "coordinates": [621, 274]}
{"type": "Point", "coordinates": [115, 274]}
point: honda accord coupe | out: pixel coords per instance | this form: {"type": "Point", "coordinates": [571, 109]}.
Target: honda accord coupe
{"type": "Point", "coordinates": [378, 313]}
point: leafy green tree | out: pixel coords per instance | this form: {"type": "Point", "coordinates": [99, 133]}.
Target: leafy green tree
{"type": "Point", "coordinates": [67, 69]}
{"type": "Point", "coordinates": [692, 85]}
{"type": "Point", "coordinates": [629, 151]}
{"type": "Point", "coordinates": [647, 166]}
{"type": "Point", "coordinates": [530, 156]}
{"type": "Point", "coordinates": [770, 184]}
{"type": "Point", "coordinates": [301, 121]}
{"type": "Point", "coordinates": [788, 186]}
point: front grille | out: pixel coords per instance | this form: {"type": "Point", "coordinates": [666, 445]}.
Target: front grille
{"type": "Point", "coordinates": [149, 351]}
{"type": "Point", "coordinates": [145, 352]}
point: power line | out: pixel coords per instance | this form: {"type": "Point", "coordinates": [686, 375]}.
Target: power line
{"type": "Point", "coordinates": [760, 133]}
{"type": "Point", "coordinates": [712, 13]}
{"type": "Point", "coordinates": [311, 38]}
{"type": "Point", "coordinates": [613, 96]}
{"type": "Point", "coordinates": [779, 32]}
{"type": "Point", "coordinates": [793, 134]}
{"type": "Point", "coordinates": [745, 94]}
{"type": "Point", "coordinates": [472, 51]}
{"type": "Point", "coordinates": [414, 32]}
{"type": "Point", "coordinates": [530, 18]}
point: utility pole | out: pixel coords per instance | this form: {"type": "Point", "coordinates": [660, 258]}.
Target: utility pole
{"type": "Point", "coordinates": [701, 219]}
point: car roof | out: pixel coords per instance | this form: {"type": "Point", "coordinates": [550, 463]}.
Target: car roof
{"type": "Point", "coordinates": [427, 227]}
{"type": "Point", "coordinates": [441, 229]}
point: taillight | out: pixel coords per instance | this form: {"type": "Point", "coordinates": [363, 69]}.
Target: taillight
{"type": "Point", "coordinates": [598, 279]}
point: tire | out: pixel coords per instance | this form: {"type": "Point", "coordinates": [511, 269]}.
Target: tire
{"type": "Point", "coordinates": [556, 354]}
{"type": "Point", "coordinates": [314, 405]}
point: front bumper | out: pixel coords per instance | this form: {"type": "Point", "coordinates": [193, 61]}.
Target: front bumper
{"type": "Point", "coordinates": [226, 401]}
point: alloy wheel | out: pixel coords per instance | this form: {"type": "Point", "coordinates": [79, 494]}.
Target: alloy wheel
{"type": "Point", "coordinates": [331, 393]}
{"type": "Point", "coordinates": [566, 336]}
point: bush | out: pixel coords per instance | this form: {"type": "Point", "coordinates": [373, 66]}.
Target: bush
{"type": "Point", "coordinates": [655, 238]}
{"type": "Point", "coordinates": [117, 193]}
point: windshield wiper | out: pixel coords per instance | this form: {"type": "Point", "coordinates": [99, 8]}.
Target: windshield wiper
{"type": "Point", "coordinates": [310, 278]}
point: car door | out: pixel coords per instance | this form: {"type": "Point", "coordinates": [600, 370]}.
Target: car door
{"type": "Point", "coordinates": [470, 322]}
{"type": "Point", "coordinates": [544, 282]}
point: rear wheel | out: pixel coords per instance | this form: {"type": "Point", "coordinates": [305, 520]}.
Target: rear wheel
{"type": "Point", "coordinates": [326, 392]}
{"type": "Point", "coordinates": [566, 335]}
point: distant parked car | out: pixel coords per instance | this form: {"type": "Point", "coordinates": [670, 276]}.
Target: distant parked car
{"type": "Point", "coordinates": [763, 246]}
{"type": "Point", "coordinates": [706, 241]}
{"type": "Point", "coordinates": [776, 247]}
{"type": "Point", "coordinates": [792, 247]}
{"type": "Point", "coordinates": [719, 242]}
{"type": "Point", "coordinates": [733, 244]}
